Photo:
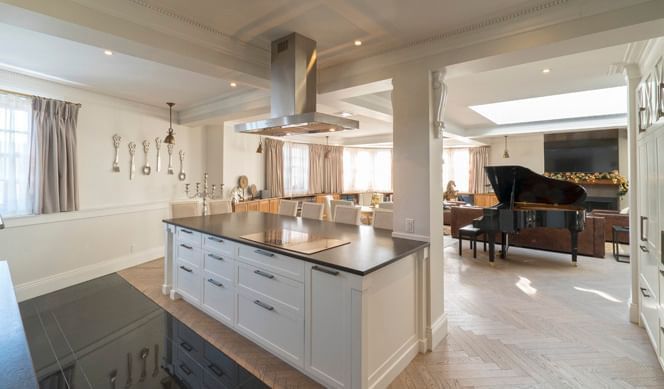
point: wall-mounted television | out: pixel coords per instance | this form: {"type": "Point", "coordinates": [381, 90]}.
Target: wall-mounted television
{"type": "Point", "coordinates": [581, 152]}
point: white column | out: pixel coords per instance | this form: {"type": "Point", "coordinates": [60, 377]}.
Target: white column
{"type": "Point", "coordinates": [214, 147]}
{"type": "Point", "coordinates": [418, 187]}
{"type": "Point", "coordinates": [633, 77]}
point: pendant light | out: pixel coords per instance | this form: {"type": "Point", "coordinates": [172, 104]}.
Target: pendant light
{"type": "Point", "coordinates": [259, 150]}
{"type": "Point", "coordinates": [327, 147]}
{"type": "Point", "coordinates": [170, 138]}
{"type": "Point", "coordinates": [506, 154]}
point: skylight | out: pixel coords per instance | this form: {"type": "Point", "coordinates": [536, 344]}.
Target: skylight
{"type": "Point", "coordinates": [598, 102]}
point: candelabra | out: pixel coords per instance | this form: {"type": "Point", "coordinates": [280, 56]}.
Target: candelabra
{"type": "Point", "coordinates": [206, 194]}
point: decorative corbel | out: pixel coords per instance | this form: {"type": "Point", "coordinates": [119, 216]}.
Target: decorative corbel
{"type": "Point", "coordinates": [439, 93]}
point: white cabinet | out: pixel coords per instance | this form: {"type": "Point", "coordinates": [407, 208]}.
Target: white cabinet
{"type": "Point", "coordinates": [328, 355]}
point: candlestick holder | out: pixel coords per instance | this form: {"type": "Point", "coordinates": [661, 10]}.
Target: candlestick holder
{"type": "Point", "coordinates": [205, 194]}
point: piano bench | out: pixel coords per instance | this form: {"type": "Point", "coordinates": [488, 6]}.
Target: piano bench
{"type": "Point", "coordinates": [471, 233]}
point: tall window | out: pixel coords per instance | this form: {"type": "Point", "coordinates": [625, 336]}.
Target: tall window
{"type": "Point", "coordinates": [456, 167]}
{"type": "Point", "coordinates": [367, 170]}
{"type": "Point", "coordinates": [15, 138]}
{"type": "Point", "coordinates": [296, 168]}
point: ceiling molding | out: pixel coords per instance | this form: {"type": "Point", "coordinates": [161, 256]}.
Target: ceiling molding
{"type": "Point", "coordinates": [552, 126]}
{"type": "Point", "coordinates": [229, 107]}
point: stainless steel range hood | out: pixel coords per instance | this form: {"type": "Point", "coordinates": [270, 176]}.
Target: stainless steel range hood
{"type": "Point", "coordinates": [293, 99]}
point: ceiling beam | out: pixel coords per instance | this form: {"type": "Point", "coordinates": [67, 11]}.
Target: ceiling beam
{"type": "Point", "coordinates": [552, 126]}
{"type": "Point", "coordinates": [131, 28]}
{"type": "Point", "coordinates": [227, 108]}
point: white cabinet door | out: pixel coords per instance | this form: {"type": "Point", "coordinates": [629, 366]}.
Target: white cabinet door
{"type": "Point", "coordinates": [328, 332]}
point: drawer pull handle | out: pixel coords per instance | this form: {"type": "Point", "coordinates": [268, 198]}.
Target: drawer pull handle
{"type": "Point", "coordinates": [264, 274]}
{"type": "Point", "coordinates": [218, 258]}
{"type": "Point", "coordinates": [186, 346]}
{"type": "Point", "coordinates": [214, 239]}
{"type": "Point", "coordinates": [263, 252]}
{"type": "Point", "coordinates": [186, 231]}
{"type": "Point", "coordinates": [643, 292]}
{"type": "Point", "coordinates": [186, 246]}
{"type": "Point", "coordinates": [215, 369]}
{"type": "Point", "coordinates": [643, 236]}
{"type": "Point", "coordinates": [327, 271]}
{"type": "Point", "coordinates": [188, 270]}
{"type": "Point", "coordinates": [215, 283]}
{"type": "Point", "coordinates": [263, 305]}
{"type": "Point", "coordinates": [185, 369]}
{"type": "Point", "coordinates": [644, 248]}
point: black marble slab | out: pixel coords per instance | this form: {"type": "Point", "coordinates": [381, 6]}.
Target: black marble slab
{"type": "Point", "coordinates": [106, 334]}
{"type": "Point", "coordinates": [369, 249]}
{"type": "Point", "coordinates": [16, 370]}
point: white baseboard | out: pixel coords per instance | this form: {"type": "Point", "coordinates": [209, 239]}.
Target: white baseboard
{"type": "Point", "coordinates": [28, 290]}
{"type": "Point", "coordinates": [383, 376]}
{"type": "Point", "coordinates": [438, 331]}
{"type": "Point", "coordinates": [633, 312]}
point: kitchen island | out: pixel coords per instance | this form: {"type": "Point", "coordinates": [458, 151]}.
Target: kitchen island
{"type": "Point", "coordinates": [351, 316]}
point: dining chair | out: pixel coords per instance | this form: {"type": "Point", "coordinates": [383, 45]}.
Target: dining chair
{"type": "Point", "coordinates": [288, 207]}
{"type": "Point", "coordinates": [217, 207]}
{"type": "Point", "coordinates": [347, 214]}
{"type": "Point", "coordinates": [312, 210]}
{"type": "Point", "coordinates": [327, 207]}
{"type": "Point", "coordinates": [334, 203]}
{"type": "Point", "coordinates": [187, 208]}
{"type": "Point", "coordinates": [383, 219]}
{"type": "Point", "coordinates": [386, 205]}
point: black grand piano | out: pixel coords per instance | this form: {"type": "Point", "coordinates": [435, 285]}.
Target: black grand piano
{"type": "Point", "coordinates": [528, 200]}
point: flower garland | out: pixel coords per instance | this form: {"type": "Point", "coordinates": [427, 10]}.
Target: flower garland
{"type": "Point", "coordinates": [579, 177]}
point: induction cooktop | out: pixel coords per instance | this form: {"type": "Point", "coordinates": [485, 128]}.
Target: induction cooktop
{"type": "Point", "coordinates": [299, 242]}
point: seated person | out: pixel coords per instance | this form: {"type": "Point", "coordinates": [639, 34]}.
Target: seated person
{"type": "Point", "coordinates": [451, 193]}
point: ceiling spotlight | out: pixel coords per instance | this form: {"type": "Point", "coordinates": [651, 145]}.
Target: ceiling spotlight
{"type": "Point", "coordinates": [546, 71]}
{"type": "Point", "coordinates": [358, 42]}
{"type": "Point", "coordinates": [108, 52]}
{"type": "Point", "coordinates": [332, 129]}
{"type": "Point", "coordinates": [233, 84]}
{"type": "Point", "coordinates": [345, 114]}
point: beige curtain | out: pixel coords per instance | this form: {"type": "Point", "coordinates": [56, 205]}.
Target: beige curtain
{"type": "Point", "coordinates": [53, 165]}
{"type": "Point", "coordinates": [479, 158]}
{"type": "Point", "coordinates": [274, 166]}
{"type": "Point", "coordinates": [317, 176]}
{"type": "Point", "coordinates": [334, 170]}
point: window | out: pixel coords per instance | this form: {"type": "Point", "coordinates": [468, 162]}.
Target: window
{"type": "Point", "coordinates": [15, 138]}
{"type": "Point", "coordinates": [456, 167]}
{"type": "Point", "coordinates": [367, 170]}
{"type": "Point", "coordinates": [296, 168]}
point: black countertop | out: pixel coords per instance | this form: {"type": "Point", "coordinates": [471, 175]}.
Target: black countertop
{"type": "Point", "coordinates": [369, 249]}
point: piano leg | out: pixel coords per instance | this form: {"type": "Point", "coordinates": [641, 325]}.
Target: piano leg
{"type": "Point", "coordinates": [491, 235]}
{"type": "Point", "coordinates": [575, 244]}
{"type": "Point", "coordinates": [503, 245]}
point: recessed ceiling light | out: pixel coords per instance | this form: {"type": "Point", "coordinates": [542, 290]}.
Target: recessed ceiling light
{"type": "Point", "coordinates": [358, 42]}
{"type": "Point", "coordinates": [345, 114]}
{"type": "Point", "coordinates": [288, 133]}
{"type": "Point", "coordinates": [546, 71]}
{"type": "Point", "coordinates": [332, 129]}
{"type": "Point", "coordinates": [233, 84]}
{"type": "Point", "coordinates": [108, 52]}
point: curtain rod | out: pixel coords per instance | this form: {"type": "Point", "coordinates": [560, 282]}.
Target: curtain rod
{"type": "Point", "coordinates": [31, 96]}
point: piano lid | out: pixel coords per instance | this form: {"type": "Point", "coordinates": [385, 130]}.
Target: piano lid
{"type": "Point", "coordinates": [531, 187]}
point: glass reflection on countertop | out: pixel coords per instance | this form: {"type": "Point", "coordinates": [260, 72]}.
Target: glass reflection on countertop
{"type": "Point", "coordinates": [106, 334]}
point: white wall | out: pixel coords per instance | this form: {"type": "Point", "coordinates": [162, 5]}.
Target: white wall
{"type": "Point", "coordinates": [119, 223]}
{"type": "Point", "coordinates": [240, 158]}
{"type": "Point", "coordinates": [525, 150]}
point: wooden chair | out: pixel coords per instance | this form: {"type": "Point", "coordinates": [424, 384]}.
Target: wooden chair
{"type": "Point", "coordinates": [288, 207]}
{"type": "Point", "coordinates": [334, 203]}
{"type": "Point", "coordinates": [312, 210]}
{"type": "Point", "coordinates": [386, 205]}
{"type": "Point", "coordinates": [186, 209]}
{"type": "Point", "coordinates": [347, 214]}
{"type": "Point", "coordinates": [383, 219]}
{"type": "Point", "coordinates": [217, 207]}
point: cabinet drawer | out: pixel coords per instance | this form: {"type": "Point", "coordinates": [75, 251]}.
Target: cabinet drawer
{"type": "Point", "coordinates": [219, 245]}
{"type": "Point", "coordinates": [649, 312]}
{"type": "Point", "coordinates": [219, 298]}
{"type": "Point", "coordinates": [187, 370]}
{"type": "Point", "coordinates": [221, 265]}
{"type": "Point", "coordinates": [190, 236]}
{"type": "Point", "coordinates": [189, 281]}
{"type": "Point", "coordinates": [186, 251]}
{"type": "Point", "coordinates": [276, 263]}
{"type": "Point", "coordinates": [273, 328]}
{"type": "Point", "coordinates": [219, 369]}
{"type": "Point", "coordinates": [275, 288]}
{"type": "Point", "coordinates": [188, 342]}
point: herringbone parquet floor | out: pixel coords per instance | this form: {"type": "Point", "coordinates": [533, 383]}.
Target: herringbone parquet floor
{"type": "Point", "coordinates": [535, 321]}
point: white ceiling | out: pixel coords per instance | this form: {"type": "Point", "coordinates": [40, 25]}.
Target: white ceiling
{"type": "Point", "coordinates": [119, 75]}
{"type": "Point", "coordinates": [381, 24]}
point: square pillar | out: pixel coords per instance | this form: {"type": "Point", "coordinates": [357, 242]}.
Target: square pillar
{"type": "Point", "coordinates": [418, 188]}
